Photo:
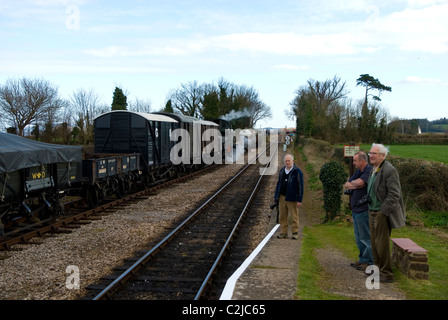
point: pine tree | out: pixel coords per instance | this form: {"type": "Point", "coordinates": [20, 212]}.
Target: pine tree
{"type": "Point", "coordinates": [119, 101]}
{"type": "Point", "coordinates": [168, 107]}
{"type": "Point", "coordinates": [367, 122]}
{"type": "Point", "coordinates": [366, 80]}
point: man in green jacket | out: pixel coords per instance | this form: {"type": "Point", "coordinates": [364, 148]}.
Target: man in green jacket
{"type": "Point", "coordinates": [386, 209]}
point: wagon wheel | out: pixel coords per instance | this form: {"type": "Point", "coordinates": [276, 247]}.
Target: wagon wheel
{"type": "Point", "coordinates": [127, 184]}
{"type": "Point", "coordinates": [177, 172]}
{"type": "Point", "coordinates": [57, 208]}
{"type": "Point", "coordinates": [92, 197]}
{"type": "Point", "coordinates": [4, 219]}
{"type": "Point", "coordinates": [46, 210]}
{"type": "Point", "coordinates": [121, 188]}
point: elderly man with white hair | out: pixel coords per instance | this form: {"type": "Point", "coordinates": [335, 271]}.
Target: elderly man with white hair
{"type": "Point", "coordinates": [289, 196]}
{"type": "Point", "coordinates": [386, 209]}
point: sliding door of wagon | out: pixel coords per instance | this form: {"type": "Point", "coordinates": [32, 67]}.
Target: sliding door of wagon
{"type": "Point", "coordinates": [138, 140]}
{"type": "Point", "coordinates": [165, 142]}
{"type": "Point", "coordinates": [120, 132]}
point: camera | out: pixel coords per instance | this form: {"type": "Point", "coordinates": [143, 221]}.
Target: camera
{"type": "Point", "coordinates": [348, 192]}
{"type": "Point", "coordinates": [274, 205]}
{"type": "Point", "coordinates": [363, 200]}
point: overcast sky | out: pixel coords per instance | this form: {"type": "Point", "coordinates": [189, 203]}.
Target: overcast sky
{"type": "Point", "coordinates": [150, 47]}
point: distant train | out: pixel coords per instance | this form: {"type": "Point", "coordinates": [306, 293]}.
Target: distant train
{"type": "Point", "coordinates": [130, 148]}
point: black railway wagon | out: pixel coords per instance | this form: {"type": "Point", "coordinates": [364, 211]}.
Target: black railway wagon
{"type": "Point", "coordinates": [191, 124]}
{"type": "Point", "coordinates": [109, 174]}
{"type": "Point", "coordinates": [223, 125]}
{"type": "Point", "coordinates": [34, 175]}
{"type": "Point", "coordinates": [135, 132]}
{"type": "Point", "coordinates": [128, 132]}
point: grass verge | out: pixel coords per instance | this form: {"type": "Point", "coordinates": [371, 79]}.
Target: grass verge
{"type": "Point", "coordinates": [340, 236]}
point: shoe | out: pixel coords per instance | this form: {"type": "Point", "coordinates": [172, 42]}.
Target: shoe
{"type": "Point", "coordinates": [386, 279]}
{"type": "Point", "coordinates": [370, 272]}
{"type": "Point", "coordinates": [282, 236]}
{"type": "Point", "coordinates": [295, 236]}
{"type": "Point", "coordinates": [355, 264]}
{"type": "Point", "coordinates": [383, 279]}
{"type": "Point", "coordinates": [362, 267]}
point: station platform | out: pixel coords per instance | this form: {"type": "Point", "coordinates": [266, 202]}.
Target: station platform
{"type": "Point", "coordinates": [270, 272]}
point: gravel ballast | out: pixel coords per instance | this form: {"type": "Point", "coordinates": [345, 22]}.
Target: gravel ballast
{"type": "Point", "coordinates": [40, 271]}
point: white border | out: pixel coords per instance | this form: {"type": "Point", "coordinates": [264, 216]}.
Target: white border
{"type": "Point", "coordinates": [227, 293]}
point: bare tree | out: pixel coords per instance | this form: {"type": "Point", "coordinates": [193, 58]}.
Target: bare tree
{"type": "Point", "coordinates": [139, 105]}
{"type": "Point", "coordinates": [327, 92]}
{"type": "Point", "coordinates": [26, 101]}
{"type": "Point", "coordinates": [85, 103]}
{"type": "Point", "coordinates": [247, 99]}
{"type": "Point", "coordinates": [239, 104]}
{"type": "Point", "coordinates": [86, 106]}
{"type": "Point", "coordinates": [188, 99]}
{"type": "Point", "coordinates": [51, 120]}
{"type": "Point", "coordinates": [318, 107]}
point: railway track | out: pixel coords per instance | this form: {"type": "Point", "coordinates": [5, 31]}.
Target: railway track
{"type": "Point", "coordinates": [23, 235]}
{"type": "Point", "coordinates": [182, 265]}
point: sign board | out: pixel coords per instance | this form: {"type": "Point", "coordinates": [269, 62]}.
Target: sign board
{"type": "Point", "coordinates": [350, 151]}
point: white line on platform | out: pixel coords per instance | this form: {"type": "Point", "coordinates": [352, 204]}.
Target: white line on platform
{"type": "Point", "coordinates": [231, 282]}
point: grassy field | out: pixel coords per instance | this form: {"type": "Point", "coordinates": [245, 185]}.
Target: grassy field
{"type": "Point", "coordinates": [437, 153]}
{"type": "Point", "coordinates": [427, 152]}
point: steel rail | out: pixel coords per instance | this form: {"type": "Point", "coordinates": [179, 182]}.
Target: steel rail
{"type": "Point", "coordinates": [6, 244]}
{"type": "Point", "coordinates": [132, 270]}
{"type": "Point", "coordinates": [126, 275]}
{"type": "Point", "coordinates": [230, 237]}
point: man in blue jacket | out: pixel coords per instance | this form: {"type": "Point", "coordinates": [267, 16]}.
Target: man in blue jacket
{"type": "Point", "coordinates": [360, 210]}
{"type": "Point", "coordinates": [289, 196]}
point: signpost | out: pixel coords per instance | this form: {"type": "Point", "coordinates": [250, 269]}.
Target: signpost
{"type": "Point", "coordinates": [349, 152]}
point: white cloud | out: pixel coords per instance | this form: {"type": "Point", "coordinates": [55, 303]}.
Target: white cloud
{"type": "Point", "coordinates": [291, 67]}
{"type": "Point", "coordinates": [419, 80]}
{"type": "Point", "coordinates": [289, 43]}
{"type": "Point", "coordinates": [252, 42]}
{"type": "Point", "coordinates": [413, 29]}
{"type": "Point", "coordinates": [424, 3]}
{"type": "Point", "coordinates": [181, 49]}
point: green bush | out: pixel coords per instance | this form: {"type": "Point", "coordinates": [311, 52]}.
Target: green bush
{"type": "Point", "coordinates": [424, 183]}
{"type": "Point", "coordinates": [333, 176]}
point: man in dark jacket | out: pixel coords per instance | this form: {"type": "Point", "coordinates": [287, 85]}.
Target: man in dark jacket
{"type": "Point", "coordinates": [289, 196]}
{"type": "Point", "coordinates": [360, 209]}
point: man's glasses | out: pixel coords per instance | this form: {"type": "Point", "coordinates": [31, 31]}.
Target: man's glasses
{"type": "Point", "coordinates": [374, 153]}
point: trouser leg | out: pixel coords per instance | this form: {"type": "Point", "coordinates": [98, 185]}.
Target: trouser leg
{"type": "Point", "coordinates": [356, 232]}
{"type": "Point", "coordinates": [283, 214]}
{"type": "Point", "coordinates": [362, 234]}
{"type": "Point", "coordinates": [294, 215]}
{"type": "Point", "coordinates": [380, 231]}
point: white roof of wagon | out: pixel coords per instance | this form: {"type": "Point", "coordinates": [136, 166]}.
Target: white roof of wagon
{"type": "Point", "coordinates": [189, 119]}
{"type": "Point", "coordinates": [147, 116]}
